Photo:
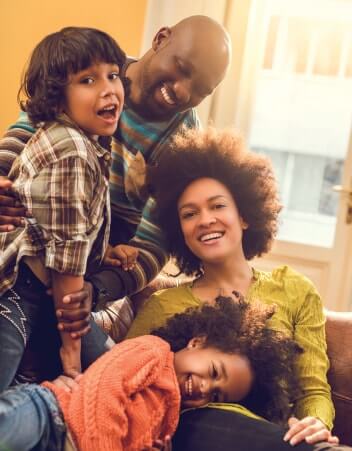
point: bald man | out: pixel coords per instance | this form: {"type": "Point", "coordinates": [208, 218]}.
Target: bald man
{"type": "Point", "coordinates": [184, 65]}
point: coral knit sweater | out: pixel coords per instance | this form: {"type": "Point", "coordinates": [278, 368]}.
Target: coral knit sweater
{"type": "Point", "coordinates": [126, 399]}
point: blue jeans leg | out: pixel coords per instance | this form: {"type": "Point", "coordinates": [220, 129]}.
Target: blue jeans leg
{"type": "Point", "coordinates": [30, 419]}
{"type": "Point", "coordinates": [16, 320]}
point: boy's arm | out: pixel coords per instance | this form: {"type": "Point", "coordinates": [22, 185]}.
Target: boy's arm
{"type": "Point", "coordinates": [70, 352]}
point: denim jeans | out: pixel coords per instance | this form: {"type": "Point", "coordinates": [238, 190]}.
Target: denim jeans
{"type": "Point", "coordinates": [30, 419]}
{"type": "Point", "coordinates": [27, 320]}
{"type": "Point", "coordinates": [211, 429]}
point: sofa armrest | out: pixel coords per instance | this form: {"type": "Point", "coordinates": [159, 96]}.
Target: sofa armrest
{"type": "Point", "coordinates": [339, 341]}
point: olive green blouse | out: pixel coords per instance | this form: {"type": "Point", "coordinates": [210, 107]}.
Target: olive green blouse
{"type": "Point", "coordinates": [299, 313]}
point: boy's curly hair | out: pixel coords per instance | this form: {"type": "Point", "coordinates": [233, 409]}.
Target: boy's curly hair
{"type": "Point", "coordinates": [237, 327]}
{"type": "Point", "coordinates": [220, 155]}
{"type": "Point", "coordinates": [54, 59]}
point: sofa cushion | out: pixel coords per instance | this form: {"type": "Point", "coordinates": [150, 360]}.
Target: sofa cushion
{"type": "Point", "coordinates": [339, 341]}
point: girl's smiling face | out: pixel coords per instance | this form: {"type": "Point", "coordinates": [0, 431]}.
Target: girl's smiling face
{"type": "Point", "coordinates": [206, 374]}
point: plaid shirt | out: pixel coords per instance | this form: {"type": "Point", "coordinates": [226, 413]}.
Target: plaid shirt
{"type": "Point", "coordinates": [62, 179]}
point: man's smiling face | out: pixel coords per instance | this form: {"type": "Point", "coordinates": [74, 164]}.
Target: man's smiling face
{"type": "Point", "coordinates": [182, 70]}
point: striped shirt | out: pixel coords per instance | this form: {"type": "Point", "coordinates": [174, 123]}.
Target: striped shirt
{"type": "Point", "coordinates": [61, 177]}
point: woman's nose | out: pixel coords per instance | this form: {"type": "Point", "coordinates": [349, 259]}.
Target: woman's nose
{"type": "Point", "coordinates": [207, 218]}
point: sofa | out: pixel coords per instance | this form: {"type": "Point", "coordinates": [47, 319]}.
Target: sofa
{"type": "Point", "coordinates": [339, 341]}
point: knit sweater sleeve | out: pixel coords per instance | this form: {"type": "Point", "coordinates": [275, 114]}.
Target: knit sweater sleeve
{"type": "Point", "coordinates": [126, 399]}
{"type": "Point", "coordinates": [313, 364]}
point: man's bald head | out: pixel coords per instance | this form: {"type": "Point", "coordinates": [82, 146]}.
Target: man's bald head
{"type": "Point", "coordinates": [184, 65]}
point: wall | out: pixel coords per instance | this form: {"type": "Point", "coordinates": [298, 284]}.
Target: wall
{"type": "Point", "coordinates": [25, 23]}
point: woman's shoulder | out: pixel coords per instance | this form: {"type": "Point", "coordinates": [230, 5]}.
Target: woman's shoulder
{"type": "Point", "coordinates": [286, 280]}
{"type": "Point", "coordinates": [284, 274]}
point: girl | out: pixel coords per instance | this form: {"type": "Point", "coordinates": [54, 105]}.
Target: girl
{"type": "Point", "coordinates": [74, 93]}
{"type": "Point", "coordinates": [131, 396]}
{"type": "Point", "coordinates": [218, 207]}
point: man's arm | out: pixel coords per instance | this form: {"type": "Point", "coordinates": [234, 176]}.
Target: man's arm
{"type": "Point", "coordinates": [11, 145]}
{"type": "Point", "coordinates": [13, 142]}
{"type": "Point", "coordinates": [112, 283]}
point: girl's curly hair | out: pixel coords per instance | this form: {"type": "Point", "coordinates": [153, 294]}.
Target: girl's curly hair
{"type": "Point", "coordinates": [220, 155]}
{"type": "Point", "coordinates": [237, 327]}
{"type": "Point", "coordinates": [54, 59]}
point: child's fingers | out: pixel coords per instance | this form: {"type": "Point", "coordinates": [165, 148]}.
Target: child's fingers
{"type": "Point", "coordinates": [66, 383]}
{"type": "Point", "coordinates": [131, 259]}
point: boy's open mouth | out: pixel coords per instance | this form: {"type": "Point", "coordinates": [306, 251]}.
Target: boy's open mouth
{"type": "Point", "coordinates": [108, 112]}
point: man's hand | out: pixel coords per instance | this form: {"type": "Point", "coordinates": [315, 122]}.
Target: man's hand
{"type": "Point", "coordinates": [11, 210]}
{"type": "Point", "coordinates": [75, 318]}
{"type": "Point", "coordinates": [121, 255]}
{"type": "Point", "coordinates": [309, 429]}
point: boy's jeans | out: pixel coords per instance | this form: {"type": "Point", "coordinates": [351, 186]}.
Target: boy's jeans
{"type": "Point", "coordinates": [27, 314]}
{"type": "Point", "coordinates": [30, 418]}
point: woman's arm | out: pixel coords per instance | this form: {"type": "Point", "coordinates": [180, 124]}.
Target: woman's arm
{"type": "Point", "coordinates": [313, 363]}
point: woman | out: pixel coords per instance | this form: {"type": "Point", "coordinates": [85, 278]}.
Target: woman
{"type": "Point", "coordinates": [217, 204]}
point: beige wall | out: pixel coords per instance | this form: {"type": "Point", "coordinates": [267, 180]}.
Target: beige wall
{"type": "Point", "coordinates": [25, 22]}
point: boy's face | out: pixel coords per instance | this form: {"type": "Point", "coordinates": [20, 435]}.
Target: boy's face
{"type": "Point", "coordinates": [94, 99]}
{"type": "Point", "coordinates": [206, 374]}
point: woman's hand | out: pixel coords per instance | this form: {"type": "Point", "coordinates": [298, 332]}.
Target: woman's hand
{"type": "Point", "coordinates": [309, 429]}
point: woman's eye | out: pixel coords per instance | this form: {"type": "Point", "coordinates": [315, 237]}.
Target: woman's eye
{"type": "Point", "coordinates": [218, 206]}
{"type": "Point", "coordinates": [214, 372]}
{"type": "Point", "coordinates": [187, 215]}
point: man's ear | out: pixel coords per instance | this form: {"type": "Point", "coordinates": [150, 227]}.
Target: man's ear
{"type": "Point", "coordinates": [196, 342]}
{"type": "Point", "coordinates": [160, 38]}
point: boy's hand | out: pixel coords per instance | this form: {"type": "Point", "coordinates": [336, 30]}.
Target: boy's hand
{"type": "Point", "coordinates": [309, 429]}
{"type": "Point", "coordinates": [67, 383]}
{"type": "Point", "coordinates": [11, 211]}
{"type": "Point", "coordinates": [76, 317]}
{"type": "Point", "coordinates": [121, 255]}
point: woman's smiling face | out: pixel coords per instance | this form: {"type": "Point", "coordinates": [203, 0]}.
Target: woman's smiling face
{"type": "Point", "coordinates": [206, 374]}
{"type": "Point", "coordinates": [210, 222]}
